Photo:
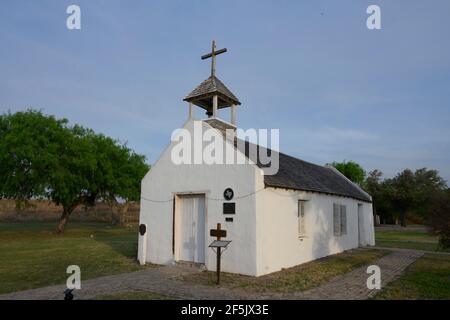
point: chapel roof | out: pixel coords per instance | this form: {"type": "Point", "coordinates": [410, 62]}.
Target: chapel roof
{"type": "Point", "coordinates": [297, 174]}
{"type": "Point", "coordinates": [212, 86]}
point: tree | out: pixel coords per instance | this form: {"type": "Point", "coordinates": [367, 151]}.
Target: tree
{"type": "Point", "coordinates": [351, 170]}
{"type": "Point", "coordinates": [28, 149]}
{"type": "Point", "coordinates": [72, 181]}
{"type": "Point", "coordinates": [414, 191]}
{"type": "Point", "coordinates": [440, 218]}
{"type": "Point", "coordinates": [403, 193]}
{"type": "Point", "coordinates": [96, 167]}
{"type": "Point", "coordinates": [429, 187]}
{"type": "Point", "coordinates": [120, 171]}
{"type": "Point", "coordinates": [41, 156]}
{"type": "Point", "coordinates": [373, 186]}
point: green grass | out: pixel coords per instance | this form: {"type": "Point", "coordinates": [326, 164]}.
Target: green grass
{"type": "Point", "coordinates": [32, 256]}
{"type": "Point", "coordinates": [134, 295]}
{"type": "Point", "coordinates": [427, 278]}
{"type": "Point", "coordinates": [298, 278]}
{"type": "Point", "coordinates": [408, 240]}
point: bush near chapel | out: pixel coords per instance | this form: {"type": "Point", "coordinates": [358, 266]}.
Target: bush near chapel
{"type": "Point", "coordinates": [439, 221]}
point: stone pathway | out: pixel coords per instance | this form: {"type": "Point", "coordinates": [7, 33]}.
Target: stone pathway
{"type": "Point", "coordinates": [161, 280]}
{"type": "Point", "coordinates": [157, 280]}
{"type": "Point", "coordinates": [352, 285]}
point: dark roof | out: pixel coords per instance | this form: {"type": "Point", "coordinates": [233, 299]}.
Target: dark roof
{"type": "Point", "coordinates": [297, 174]}
{"type": "Point", "coordinates": [209, 87]}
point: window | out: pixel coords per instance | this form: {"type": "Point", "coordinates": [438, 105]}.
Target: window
{"type": "Point", "coordinates": [336, 219]}
{"type": "Point", "coordinates": [343, 220]}
{"type": "Point", "coordinates": [301, 219]}
{"type": "Point", "coordinates": [339, 219]}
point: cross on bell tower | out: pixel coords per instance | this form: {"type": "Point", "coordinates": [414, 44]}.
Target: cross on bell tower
{"type": "Point", "coordinates": [213, 55]}
{"type": "Point", "coordinates": [212, 94]}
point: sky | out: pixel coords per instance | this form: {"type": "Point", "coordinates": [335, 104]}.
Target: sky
{"type": "Point", "coordinates": [335, 89]}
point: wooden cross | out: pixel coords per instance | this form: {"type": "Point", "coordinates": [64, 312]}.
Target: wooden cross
{"type": "Point", "coordinates": [213, 55]}
{"type": "Point", "coordinates": [218, 233]}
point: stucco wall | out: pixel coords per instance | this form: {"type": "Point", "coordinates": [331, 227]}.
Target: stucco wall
{"type": "Point", "coordinates": [264, 232]}
{"type": "Point", "coordinates": [279, 245]}
{"type": "Point", "coordinates": [167, 179]}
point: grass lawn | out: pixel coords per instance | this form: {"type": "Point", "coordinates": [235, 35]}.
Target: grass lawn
{"type": "Point", "coordinates": [134, 295]}
{"type": "Point", "coordinates": [407, 240]}
{"type": "Point", "coordinates": [298, 278]}
{"type": "Point", "coordinates": [427, 278]}
{"type": "Point", "coordinates": [32, 256]}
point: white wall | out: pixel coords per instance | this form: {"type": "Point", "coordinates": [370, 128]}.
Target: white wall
{"type": "Point", "coordinates": [166, 179]}
{"type": "Point", "coordinates": [264, 232]}
{"type": "Point", "coordinates": [279, 245]}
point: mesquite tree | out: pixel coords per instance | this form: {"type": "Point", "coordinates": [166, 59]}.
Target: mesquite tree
{"type": "Point", "coordinates": [351, 170]}
{"type": "Point", "coordinates": [43, 157]}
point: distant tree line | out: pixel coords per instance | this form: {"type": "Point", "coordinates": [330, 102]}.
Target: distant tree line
{"type": "Point", "coordinates": [42, 157]}
{"type": "Point", "coordinates": [420, 195]}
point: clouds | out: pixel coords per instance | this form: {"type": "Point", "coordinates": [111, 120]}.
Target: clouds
{"type": "Point", "coordinates": [312, 69]}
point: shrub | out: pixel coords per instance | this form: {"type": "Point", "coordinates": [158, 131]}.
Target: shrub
{"type": "Point", "coordinates": [439, 221]}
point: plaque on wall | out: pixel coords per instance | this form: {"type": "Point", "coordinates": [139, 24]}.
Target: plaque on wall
{"type": "Point", "coordinates": [229, 208]}
{"type": "Point", "coordinates": [228, 194]}
{"type": "Point", "coordinates": [142, 229]}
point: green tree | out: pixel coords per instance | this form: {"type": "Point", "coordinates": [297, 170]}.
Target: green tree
{"type": "Point", "coordinates": [41, 156]}
{"type": "Point", "coordinates": [414, 191]}
{"type": "Point", "coordinates": [373, 185]}
{"type": "Point", "coordinates": [351, 170]}
{"type": "Point", "coordinates": [403, 193]}
{"type": "Point", "coordinates": [440, 218]}
{"type": "Point", "coordinates": [119, 171]}
{"type": "Point", "coordinates": [28, 149]}
{"type": "Point", "coordinates": [96, 167]}
{"type": "Point", "coordinates": [430, 186]}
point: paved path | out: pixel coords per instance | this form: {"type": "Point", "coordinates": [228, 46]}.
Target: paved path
{"type": "Point", "coordinates": [162, 280]}
{"type": "Point", "coordinates": [352, 285]}
{"type": "Point", "coordinates": [157, 280]}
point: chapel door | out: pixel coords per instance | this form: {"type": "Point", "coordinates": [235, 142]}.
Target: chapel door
{"type": "Point", "coordinates": [191, 231]}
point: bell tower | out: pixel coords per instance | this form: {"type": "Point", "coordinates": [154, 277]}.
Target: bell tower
{"type": "Point", "coordinates": [212, 94]}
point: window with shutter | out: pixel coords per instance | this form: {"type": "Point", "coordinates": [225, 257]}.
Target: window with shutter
{"type": "Point", "coordinates": [336, 219]}
{"type": "Point", "coordinates": [343, 219]}
{"type": "Point", "coordinates": [301, 219]}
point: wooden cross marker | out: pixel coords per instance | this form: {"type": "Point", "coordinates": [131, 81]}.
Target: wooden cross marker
{"type": "Point", "coordinates": [218, 233]}
{"type": "Point", "coordinates": [213, 55]}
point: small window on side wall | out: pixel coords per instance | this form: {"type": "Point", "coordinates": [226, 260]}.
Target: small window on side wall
{"type": "Point", "coordinates": [336, 219]}
{"type": "Point", "coordinates": [339, 219]}
{"type": "Point", "coordinates": [343, 220]}
{"type": "Point", "coordinates": [301, 219]}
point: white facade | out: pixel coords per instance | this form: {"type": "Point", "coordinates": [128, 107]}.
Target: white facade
{"type": "Point", "coordinates": [278, 242]}
{"type": "Point", "coordinates": [264, 231]}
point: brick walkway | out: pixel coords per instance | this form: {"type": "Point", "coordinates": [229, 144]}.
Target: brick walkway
{"type": "Point", "coordinates": [161, 280]}
{"type": "Point", "coordinates": [352, 285]}
{"type": "Point", "coordinates": [157, 280]}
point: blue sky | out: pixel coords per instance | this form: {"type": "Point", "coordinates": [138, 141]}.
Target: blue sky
{"type": "Point", "coordinates": [335, 89]}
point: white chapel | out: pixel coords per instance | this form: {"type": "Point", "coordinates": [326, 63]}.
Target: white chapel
{"type": "Point", "coordinates": [300, 213]}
